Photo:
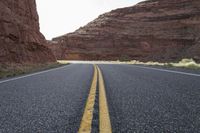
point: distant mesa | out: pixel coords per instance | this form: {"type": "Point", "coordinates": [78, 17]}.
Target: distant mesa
{"type": "Point", "coordinates": [156, 30]}
{"type": "Point", "coordinates": [20, 39]}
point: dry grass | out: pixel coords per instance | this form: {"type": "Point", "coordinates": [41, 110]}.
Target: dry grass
{"type": "Point", "coordinates": [64, 62]}
{"type": "Point", "coordinates": [184, 63]}
{"type": "Point", "coordinates": [9, 70]}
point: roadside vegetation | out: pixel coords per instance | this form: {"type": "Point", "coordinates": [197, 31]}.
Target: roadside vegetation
{"type": "Point", "coordinates": [184, 63]}
{"type": "Point", "coordinates": [64, 62]}
{"type": "Point", "coordinates": [10, 70]}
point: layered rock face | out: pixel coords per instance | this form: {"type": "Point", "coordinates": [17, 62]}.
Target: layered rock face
{"type": "Point", "coordinates": [156, 30]}
{"type": "Point", "coordinates": [20, 38]}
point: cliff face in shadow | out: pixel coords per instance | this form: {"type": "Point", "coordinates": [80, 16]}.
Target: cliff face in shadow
{"type": "Point", "coordinates": [20, 38]}
{"type": "Point", "coordinates": [157, 30]}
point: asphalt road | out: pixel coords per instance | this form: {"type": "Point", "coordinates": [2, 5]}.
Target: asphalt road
{"type": "Point", "coordinates": [145, 100]}
{"type": "Point", "coordinates": [51, 102]}
{"type": "Point", "coordinates": [140, 100]}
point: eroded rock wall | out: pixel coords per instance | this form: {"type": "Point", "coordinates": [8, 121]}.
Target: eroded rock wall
{"type": "Point", "coordinates": [20, 38]}
{"type": "Point", "coordinates": [156, 30]}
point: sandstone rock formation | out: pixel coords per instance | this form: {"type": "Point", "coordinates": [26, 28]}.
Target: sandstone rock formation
{"type": "Point", "coordinates": [20, 38]}
{"type": "Point", "coordinates": [157, 30]}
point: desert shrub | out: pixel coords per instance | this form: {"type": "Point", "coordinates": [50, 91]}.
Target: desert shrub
{"type": "Point", "coordinates": [184, 63]}
{"type": "Point", "coordinates": [125, 58]}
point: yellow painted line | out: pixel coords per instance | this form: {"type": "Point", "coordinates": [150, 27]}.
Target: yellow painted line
{"type": "Point", "coordinates": [104, 118]}
{"type": "Point", "coordinates": [86, 122]}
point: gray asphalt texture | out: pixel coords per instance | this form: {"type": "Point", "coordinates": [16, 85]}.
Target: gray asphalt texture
{"type": "Point", "coordinates": [140, 101]}
{"type": "Point", "coordinates": [150, 101]}
{"type": "Point", "coordinates": [51, 102]}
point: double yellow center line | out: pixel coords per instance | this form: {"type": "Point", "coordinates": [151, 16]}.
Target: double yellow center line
{"type": "Point", "coordinates": [104, 118]}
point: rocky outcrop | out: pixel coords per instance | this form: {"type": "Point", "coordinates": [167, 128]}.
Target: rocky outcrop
{"type": "Point", "coordinates": [157, 30]}
{"type": "Point", "coordinates": [20, 38]}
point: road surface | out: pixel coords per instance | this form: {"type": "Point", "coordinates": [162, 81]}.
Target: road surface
{"type": "Point", "coordinates": [102, 98]}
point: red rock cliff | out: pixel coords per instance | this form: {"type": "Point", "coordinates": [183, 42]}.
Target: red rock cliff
{"type": "Point", "coordinates": [20, 38]}
{"type": "Point", "coordinates": [157, 30]}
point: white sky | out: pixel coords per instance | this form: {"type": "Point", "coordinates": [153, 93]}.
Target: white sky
{"type": "Point", "coordinates": [58, 17]}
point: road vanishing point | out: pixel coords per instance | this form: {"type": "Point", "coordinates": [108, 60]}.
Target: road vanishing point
{"type": "Point", "coordinates": [103, 98]}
